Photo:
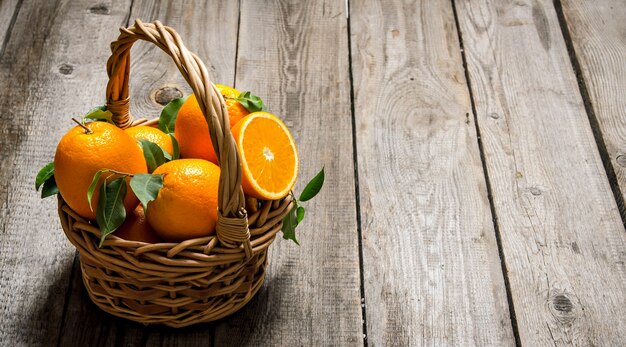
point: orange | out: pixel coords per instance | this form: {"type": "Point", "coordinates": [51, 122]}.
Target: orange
{"type": "Point", "coordinates": [136, 228]}
{"type": "Point", "coordinates": [192, 132]}
{"type": "Point", "coordinates": [268, 154]}
{"type": "Point", "coordinates": [191, 128]}
{"type": "Point", "coordinates": [186, 206]}
{"type": "Point", "coordinates": [151, 134]}
{"type": "Point", "coordinates": [236, 111]}
{"type": "Point", "coordinates": [80, 155]}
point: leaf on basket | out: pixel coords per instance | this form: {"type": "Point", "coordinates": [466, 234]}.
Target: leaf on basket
{"type": "Point", "coordinates": [92, 186]}
{"type": "Point", "coordinates": [300, 214]}
{"type": "Point", "coordinates": [49, 188]}
{"type": "Point", "coordinates": [100, 113]}
{"type": "Point", "coordinates": [251, 102]}
{"type": "Point", "coordinates": [290, 222]}
{"type": "Point", "coordinates": [154, 154]}
{"type": "Point", "coordinates": [146, 187]}
{"type": "Point", "coordinates": [44, 174]}
{"type": "Point", "coordinates": [313, 187]}
{"type": "Point", "coordinates": [167, 120]}
{"type": "Point", "coordinates": [111, 213]}
{"type": "Point", "coordinates": [176, 151]}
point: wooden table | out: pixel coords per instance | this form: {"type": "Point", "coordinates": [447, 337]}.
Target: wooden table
{"type": "Point", "coordinates": [475, 154]}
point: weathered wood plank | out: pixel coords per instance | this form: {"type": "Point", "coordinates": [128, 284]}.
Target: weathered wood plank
{"type": "Point", "coordinates": [562, 237]}
{"type": "Point", "coordinates": [7, 12]}
{"type": "Point", "coordinates": [209, 30]}
{"type": "Point", "coordinates": [598, 35]}
{"type": "Point", "coordinates": [50, 71]}
{"type": "Point", "coordinates": [431, 264]}
{"type": "Point", "coordinates": [295, 56]}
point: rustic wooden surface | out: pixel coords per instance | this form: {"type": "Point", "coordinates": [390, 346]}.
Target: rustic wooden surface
{"type": "Point", "coordinates": [473, 182]}
{"type": "Point", "coordinates": [562, 236]}
{"type": "Point", "coordinates": [50, 71]}
{"type": "Point", "coordinates": [598, 35]}
{"type": "Point", "coordinates": [431, 264]}
{"type": "Point", "coordinates": [299, 66]}
{"type": "Point", "coordinates": [7, 10]}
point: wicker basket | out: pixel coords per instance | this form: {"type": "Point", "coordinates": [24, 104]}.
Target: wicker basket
{"type": "Point", "coordinates": [198, 280]}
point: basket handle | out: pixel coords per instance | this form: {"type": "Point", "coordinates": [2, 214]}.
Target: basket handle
{"type": "Point", "coordinates": [232, 223]}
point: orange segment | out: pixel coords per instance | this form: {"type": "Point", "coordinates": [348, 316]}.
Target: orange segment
{"type": "Point", "coordinates": [268, 154]}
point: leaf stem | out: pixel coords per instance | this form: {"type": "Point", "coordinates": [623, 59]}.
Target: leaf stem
{"type": "Point", "coordinates": [120, 172]}
{"type": "Point", "coordinates": [87, 130]}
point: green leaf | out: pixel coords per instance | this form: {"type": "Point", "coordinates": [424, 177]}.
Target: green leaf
{"type": "Point", "coordinates": [44, 174]}
{"type": "Point", "coordinates": [167, 120]}
{"type": "Point", "coordinates": [111, 213]}
{"type": "Point", "coordinates": [49, 187]}
{"type": "Point", "coordinates": [155, 155]}
{"type": "Point", "coordinates": [251, 102]}
{"type": "Point", "coordinates": [290, 222]}
{"type": "Point", "coordinates": [92, 186]}
{"type": "Point", "coordinates": [300, 214]}
{"type": "Point", "coordinates": [176, 151]}
{"type": "Point", "coordinates": [313, 187]}
{"type": "Point", "coordinates": [100, 113]}
{"type": "Point", "coordinates": [146, 187]}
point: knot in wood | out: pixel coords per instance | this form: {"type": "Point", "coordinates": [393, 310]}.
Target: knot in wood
{"type": "Point", "coordinates": [621, 160]}
{"type": "Point", "coordinates": [99, 9]}
{"type": "Point", "coordinates": [166, 94]}
{"type": "Point", "coordinates": [562, 308]}
{"type": "Point", "coordinates": [66, 69]}
{"type": "Point", "coordinates": [562, 303]}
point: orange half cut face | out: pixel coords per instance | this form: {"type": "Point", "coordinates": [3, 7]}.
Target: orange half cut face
{"type": "Point", "coordinates": [268, 154]}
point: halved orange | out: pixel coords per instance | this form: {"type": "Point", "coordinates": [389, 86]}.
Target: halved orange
{"type": "Point", "coordinates": [268, 154]}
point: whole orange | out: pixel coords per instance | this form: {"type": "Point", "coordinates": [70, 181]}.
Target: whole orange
{"type": "Point", "coordinates": [191, 128]}
{"type": "Point", "coordinates": [80, 155]}
{"type": "Point", "coordinates": [137, 228]}
{"type": "Point", "coordinates": [236, 111]}
{"type": "Point", "coordinates": [186, 206]}
{"type": "Point", "coordinates": [192, 132]}
{"type": "Point", "coordinates": [151, 134]}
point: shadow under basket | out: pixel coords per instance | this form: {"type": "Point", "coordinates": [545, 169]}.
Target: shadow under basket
{"type": "Point", "coordinates": [198, 280]}
{"type": "Point", "coordinates": [175, 284]}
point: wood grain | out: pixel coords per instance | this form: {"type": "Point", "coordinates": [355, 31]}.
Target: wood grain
{"type": "Point", "coordinates": [50, 71]}
{"type": "Point", "coordinates": [154, 76]}
{"type": "Point", "coordinates": [431, 265]}
{"type": "Point", "coordinates": [295, 56]}
{"type": "Point", "coordinates": [562, 237]}
{"type": "Point", "coordinates": [8, 10]}
{"type": "Point", "coordinates": [598, 33]}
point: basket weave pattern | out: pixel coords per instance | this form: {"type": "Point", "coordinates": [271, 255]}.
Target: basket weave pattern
{"type": "Point", "coordinates": [198, 280]}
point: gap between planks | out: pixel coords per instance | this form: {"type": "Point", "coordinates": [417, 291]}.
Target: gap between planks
{"type": "Point", "coordinates": [355, 162]}
{"type": "Point", "coordinates": [593, 119]}
{"type": "Point", "coordinates": [507, 284]}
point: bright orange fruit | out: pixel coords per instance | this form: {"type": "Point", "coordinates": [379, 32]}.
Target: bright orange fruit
{"type": "Point", "coordinates": [192, 132]}
{"type": "Point", "coordinates": [236, 111]}
{"type": "Point", "coordinates": [152, 134]}
{"type": "Point", "coordinates": [268, 154]}
{"type": "Point", "coordinates": [191, 128]}
{"type": "Point", "coordinates": [80, 155]}
{"type": "Point", "coordinates": [137, 228]}
{"type": "Point", "coordinates": [186, 206]}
